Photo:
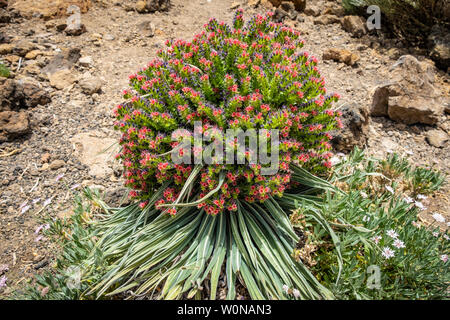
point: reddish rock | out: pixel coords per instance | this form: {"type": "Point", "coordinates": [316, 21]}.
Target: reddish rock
{"type": "Point", "coordinates": [410, 94]}
{"type": "Point", "coordinates": [355, 25]}
{"type": "Point", "coordinates": [48, 9]}
{"type": "Point", "coordinates": [340, 55]}
{"type": "Point", "coordinates": [13, 124]}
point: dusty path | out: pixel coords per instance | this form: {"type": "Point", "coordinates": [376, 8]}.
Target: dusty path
{"type": "Point", "coordinates": [119, 44]}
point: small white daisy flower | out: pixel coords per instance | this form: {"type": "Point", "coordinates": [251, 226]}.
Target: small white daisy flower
{"type": "Point", "coordinates": [444, 257]}
{"type": "Point", "coordinates": [363, 194]}
{"type": "Point", "coordinates": [335, 160]}
{"type": "Point", "coordinates": [420, 205]}
{"type": "Point", "coordinates": [446, 237]}
{"type": "Point", "coordinates": [438, 217]}
{"type": "Point", "coordinates": [435, 234]}
{"type": "Point", "coordinates": [296, 293]}
{"type": "Point", "coordinates": [376, 239]}
{"type": "Point", "coordinates": [285, 288]}
{"type": "Point", "coordinates": [388, 252]}
{"type": "Point", "coordinates": [391, 233]}
{"type": "Point", "coordinates": [3, 281]}
{"type": "Point", "coordinates": [48, 201]}
{"type": "Point", "coordinates": [408, 199]}
{"type": "Point", "coordinates": [399, 243]}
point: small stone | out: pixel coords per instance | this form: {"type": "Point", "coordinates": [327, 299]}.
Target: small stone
{"type": "Point", "coordinates": [312, 11]}
{"type": "Point", "coordinates": [22, 47]}
{"type": "Point", "coordinates": [33, 54]}
{"type": "Point", "coordinates": [86, 61]}
{"type": "Point", "coordinates": [6, 48]}
{"type": "Point", "coordinates": [341, 55]}
{"type": "Point", "coordinates": [280, 14]}
{"type": "Point", "coordinates": [253, 3]}
{"type": "Point", "coordinates": [13, 124]}
{"type": "Point", "coordinates": [45, 157]}
{"type": "Point", "coordinates": [74, 27]}
{"type": "Point", "coordinates": [437, 138]}
{"type": "Point", "coordinates": [90, 85]}
{"type": "Point", "coordinates": [235, 5]}
{"type": "Point", "coordinates": [60, 27]}
{"type": "Point", "coordinates": [394, 53]}
{"type": "Point", "coordinates": [62, 79]}
{"type": "Point", "coordinates": [326, 19]}
{"type": "Point", "coordinates": [50, 24]}
{"type": "Point", "coordinates": [56, 164]}
{"type": "Point", "coordinates": [354, 25]}
{"type": "Point", "coordinates": [148, 28]}
{"type": "Point", "coordinates": [355, 118]}
{"type": "Point", "coordinates": [109, 37]}
{"type": "Point", "coordinates": [336, 10]}
{"type": "Point", "coordinates": [141, 6]}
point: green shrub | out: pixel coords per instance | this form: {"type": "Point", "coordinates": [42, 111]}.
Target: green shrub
{"type": "Point", "coordinates": [378, 227]}
{"type": "Point", "coordinates": [74, 239]}
{"type": "Point", "coordinates": [244, 78]}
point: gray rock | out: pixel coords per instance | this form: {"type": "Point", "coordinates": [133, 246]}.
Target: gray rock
{"type": "Point", "coordinates": [409, 95]}
{"type": "Point", "coordinates": [354, 25]}
{"type": "Point", "coordinates": [437, 138]}
{"type": "Point", "coordinates": [326, 19]}
{"type": "Point", "coordinates": [86, 61]}
{"type": "Point", "coordinates": [13, 124]}
{"type": "Point", "coordinates": [90, 85]}
{"type": "Point", "coordinates": [148, 28]}
{"type": "Point", "coordinates": [355, 119]}
{"type": "Point", "coordinates": [56, 164]}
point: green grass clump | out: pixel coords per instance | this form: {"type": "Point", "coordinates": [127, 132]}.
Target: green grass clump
{"type": "Point", "coordinates": [378, 227]}
{"type": "Point", "coordinates": [4, 71]}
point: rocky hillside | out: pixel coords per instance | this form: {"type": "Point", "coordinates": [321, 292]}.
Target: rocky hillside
{"type": "Point", "coordinates": [65, 75]}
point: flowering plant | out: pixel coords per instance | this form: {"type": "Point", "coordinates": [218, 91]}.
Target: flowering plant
{"type": "Point", "coordinates": [241, 78]}
{"type": "Point", "coordinates": [388, 250]}
{"type": "Point", "coordinates": [254, 82]}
